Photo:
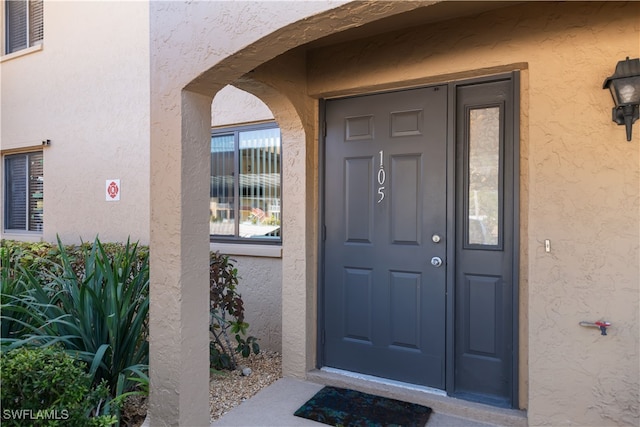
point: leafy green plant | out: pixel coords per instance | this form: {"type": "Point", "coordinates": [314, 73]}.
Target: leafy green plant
{"type": "Point", "coordinates": [31, 255]}
{"type": "Point", "coordinates": [43, 258]}
{"type": "Point", "coordinates": [47, 387]}
{"type": "Point", "coordinates": [227, 315]}
{"type": "Point", "coordinates": [12, 286]}
{"type": "Point", "coordinates": [97, 311]}
{"type": "Point", "coordinates": [140, 378]}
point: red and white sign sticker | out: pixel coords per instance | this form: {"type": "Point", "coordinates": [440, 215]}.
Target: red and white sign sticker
{"type": "Point", "coordinates": [113, 190]}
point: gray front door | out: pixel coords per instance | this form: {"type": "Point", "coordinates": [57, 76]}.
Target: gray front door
{"type": "Point", "coordinates": [385, 201]}
{"type": "Point", "coordinates": [419, 238]}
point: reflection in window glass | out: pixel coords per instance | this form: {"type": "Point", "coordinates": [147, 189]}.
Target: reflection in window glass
{"type": "Point", "coordinates": [245, 184]}
{"type": "Point", "coordinates": [260, 183]}
{"type": "Point", "coordinates": [221, 205]}
{"type": "Point", "coordinates": [484, 176]}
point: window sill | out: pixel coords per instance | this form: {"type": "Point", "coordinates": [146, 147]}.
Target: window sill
{"type": "Point", "coordinates": [240, 249]}
{"type": "Point", "coordinates": [20, 53]}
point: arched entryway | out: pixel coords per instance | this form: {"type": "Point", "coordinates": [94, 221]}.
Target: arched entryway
{"type": "Point", "coordinates": [275, 69]}
{"type": "Point", "coordinates": [196, 50]}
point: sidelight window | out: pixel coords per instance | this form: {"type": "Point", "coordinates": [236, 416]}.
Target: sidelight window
{"type": "Point", "coordinates": [484, 177]}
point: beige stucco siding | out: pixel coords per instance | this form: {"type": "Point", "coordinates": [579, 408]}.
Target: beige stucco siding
{"type": "Point", "coordinates": [232, 106]}
{"type": "Point", "coordinates": [261, 289]}
{"type": "Point", "coordinates": [87, 90]}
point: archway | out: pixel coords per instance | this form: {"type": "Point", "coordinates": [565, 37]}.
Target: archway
{"type": "Point", "coordinates": [184, 80]}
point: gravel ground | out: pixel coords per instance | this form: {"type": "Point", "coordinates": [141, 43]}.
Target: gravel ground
{"type": "Point", "coordinates": [227, 389]}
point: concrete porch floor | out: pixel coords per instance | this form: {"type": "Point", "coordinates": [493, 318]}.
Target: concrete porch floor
{"type": "Point", "coordinates": [275, 405]}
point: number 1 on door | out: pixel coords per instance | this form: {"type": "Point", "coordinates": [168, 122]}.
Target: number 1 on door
{"type": "Point", "coordinates": [382, 177]}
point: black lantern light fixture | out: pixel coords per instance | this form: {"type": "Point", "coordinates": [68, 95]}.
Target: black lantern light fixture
{"type": "Point", "coordinates": [624, 85]}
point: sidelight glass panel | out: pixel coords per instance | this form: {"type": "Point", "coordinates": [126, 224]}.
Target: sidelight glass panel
{"type": "Point", "coordinates": [483, 203]}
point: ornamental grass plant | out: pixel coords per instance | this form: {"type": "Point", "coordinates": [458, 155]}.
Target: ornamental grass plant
{"type": "Point", "coordinates": [96, 310]}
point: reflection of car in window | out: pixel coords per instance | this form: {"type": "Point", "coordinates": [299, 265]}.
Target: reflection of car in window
{"type": "Point", "coordinates": [477, 231]}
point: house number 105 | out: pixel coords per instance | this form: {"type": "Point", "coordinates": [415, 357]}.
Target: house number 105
{"type": "Point", "coordinates": [382, 177]}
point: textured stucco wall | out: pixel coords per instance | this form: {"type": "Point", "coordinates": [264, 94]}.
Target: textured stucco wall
{"type": "Point", "coordinates": [278, 83]}
{"type": "Point", "coordinates": [261, 288]}
{"type": "Point", "coordinates": [87, 90]}
{"type": "Point", "coordinates": [232, 106]}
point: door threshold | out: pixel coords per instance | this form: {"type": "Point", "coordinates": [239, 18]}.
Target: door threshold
{"type": "Point", "coordinates": [427, 396]}
{"type": "Point", "coordinates": [385, 381]}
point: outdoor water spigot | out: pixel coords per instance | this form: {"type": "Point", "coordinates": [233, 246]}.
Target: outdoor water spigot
{"type": "Point", "coordinates": [599, 324]}
{"type": "Point", "coordinates": [603, 326]}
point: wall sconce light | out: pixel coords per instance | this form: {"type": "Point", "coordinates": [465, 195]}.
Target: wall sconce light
{"type": "Point", "coordinates": [624, 85]}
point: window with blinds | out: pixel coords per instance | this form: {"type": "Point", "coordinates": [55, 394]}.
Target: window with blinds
{"type": "Point", "coordinates": [24, 24]}
{"type": "Point", "coordinates": [24, 192]}
{"type": "Point", "coordinates": [245, 190]}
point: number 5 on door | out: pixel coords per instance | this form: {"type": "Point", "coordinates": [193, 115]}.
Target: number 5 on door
{"type": "Point", "coordinates": [382, 177]}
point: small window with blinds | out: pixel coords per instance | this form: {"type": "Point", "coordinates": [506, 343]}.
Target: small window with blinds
{"type": "Point", "coordinates": [24, 24]}
{"type": "Point", "coordinates": [245, 190]}
{"type": "Point", "coordinates": [24, 192]}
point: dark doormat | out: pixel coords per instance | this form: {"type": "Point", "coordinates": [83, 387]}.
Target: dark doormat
{"type": "Point", "coordinates": [350, 408]}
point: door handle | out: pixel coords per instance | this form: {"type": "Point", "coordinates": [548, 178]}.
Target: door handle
{"type": "Point", "coordinates": [436, 261]}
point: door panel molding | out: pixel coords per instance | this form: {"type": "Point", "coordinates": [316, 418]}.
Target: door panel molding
{"type": "Point", "coordinates": [485, 286]}
{"type": "Point", "coordinates": [378, 211]}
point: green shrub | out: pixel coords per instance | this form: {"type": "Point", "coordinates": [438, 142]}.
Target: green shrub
{"type": "Point", "coordinates": [47, 387]}
{"type": "Point", "coordinates": [95, 306]}
{"type": "Point", "coordinates": [227, 315]}
{"type": "Point", "coordinates": [43, 258]}
{"type": "Point", "coordinates": [30, 255]}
